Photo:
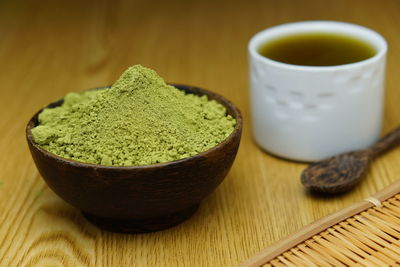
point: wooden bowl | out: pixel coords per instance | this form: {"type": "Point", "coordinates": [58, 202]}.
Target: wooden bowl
{"type": "Point", "coordinates": [139, 198]}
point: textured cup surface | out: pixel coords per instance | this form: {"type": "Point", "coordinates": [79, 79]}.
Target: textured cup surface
{"type": "Point", "coordinates": [308, 113]}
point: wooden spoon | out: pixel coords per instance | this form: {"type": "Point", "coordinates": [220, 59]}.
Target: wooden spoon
{"type": "Point", "coordinates": [342, 172]}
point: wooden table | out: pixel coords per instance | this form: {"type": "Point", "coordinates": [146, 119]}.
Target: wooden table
{"type": "Point", "coordinates": [48, 48]}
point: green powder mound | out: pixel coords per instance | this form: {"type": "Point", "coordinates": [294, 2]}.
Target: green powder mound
{"type": "Point", "coordinates": [140, 120]}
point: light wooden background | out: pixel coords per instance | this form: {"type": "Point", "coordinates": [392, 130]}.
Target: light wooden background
{"type": "Point", "coordinates": [48, 48]}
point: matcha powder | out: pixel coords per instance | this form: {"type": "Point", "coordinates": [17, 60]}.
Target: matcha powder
{"type": "Point", "coordinates": [140, 120]}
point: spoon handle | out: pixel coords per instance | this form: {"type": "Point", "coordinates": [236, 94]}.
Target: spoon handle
{"type": "Point", "coordinates": [389, 141]}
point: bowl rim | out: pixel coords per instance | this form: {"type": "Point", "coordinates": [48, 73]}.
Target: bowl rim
{"type": "Point", "coordinates": [187, 88]}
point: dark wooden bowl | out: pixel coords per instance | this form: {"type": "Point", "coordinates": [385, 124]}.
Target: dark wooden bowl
{"type": "Point", "coordinates": [142, 198]}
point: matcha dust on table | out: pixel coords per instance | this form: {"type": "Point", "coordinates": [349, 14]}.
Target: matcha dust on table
{"type": "Point", "coordinates": [140, 120]}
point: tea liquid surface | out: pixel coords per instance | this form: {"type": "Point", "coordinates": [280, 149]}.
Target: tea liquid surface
{"type": "Point", "coordinates": [317, 49]}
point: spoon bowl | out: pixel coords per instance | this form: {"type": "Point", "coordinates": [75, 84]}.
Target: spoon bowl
{"type": "Point", "coordinates": [342, 172]}
{"type": "Point", "coordinates": [337, 174]}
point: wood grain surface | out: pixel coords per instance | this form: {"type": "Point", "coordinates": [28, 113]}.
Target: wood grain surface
{"type": "Point", "coordinates": [49, 48]}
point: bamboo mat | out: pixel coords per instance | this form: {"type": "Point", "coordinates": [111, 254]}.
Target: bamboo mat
{"type": "Point", "coordinates": [366, 233]}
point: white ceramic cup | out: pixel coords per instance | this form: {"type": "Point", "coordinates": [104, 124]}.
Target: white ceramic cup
{"type": "Point", "coordinates": [308, 113]}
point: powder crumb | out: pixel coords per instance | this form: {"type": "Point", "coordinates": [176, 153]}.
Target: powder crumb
{"type": "Point", "coordinates": [140, 120]}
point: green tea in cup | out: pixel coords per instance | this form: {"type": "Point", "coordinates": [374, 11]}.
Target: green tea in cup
{"type": "Point", "coordinates": [317, 49]}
